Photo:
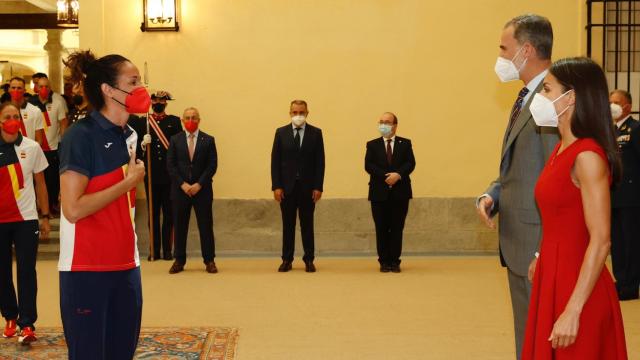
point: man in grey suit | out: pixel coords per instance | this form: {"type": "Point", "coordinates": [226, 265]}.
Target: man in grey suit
{"type": "Point", "coordinates": [525, 54]}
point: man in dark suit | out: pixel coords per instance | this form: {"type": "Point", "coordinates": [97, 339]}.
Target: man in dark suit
{"type": "Point", "coordinates": [297, 176]}
{"type": "Point", "coordinates": [192, 161]}
{"type": "Point", "coordinates": [161, 128]}
{"type": "Point", "coordinates": [625, 200]}
{"type": "Point", "coordinates": [389, 161]}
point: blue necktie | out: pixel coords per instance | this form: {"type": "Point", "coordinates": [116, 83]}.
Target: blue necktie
{"type": "Point", "coordinates": [515, 110]}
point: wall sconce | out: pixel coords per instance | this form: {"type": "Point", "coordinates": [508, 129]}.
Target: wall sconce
{"type": "Point", "coordinates": [68, 13]}
{"type": "Point", "coordinates": [159, 15]}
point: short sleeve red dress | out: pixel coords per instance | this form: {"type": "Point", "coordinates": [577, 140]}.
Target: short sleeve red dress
{"type": "Point", "coordinates": [565, 238]}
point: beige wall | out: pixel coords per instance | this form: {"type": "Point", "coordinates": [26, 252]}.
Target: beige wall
{"type": "Point", "coordinates": [431, 62]}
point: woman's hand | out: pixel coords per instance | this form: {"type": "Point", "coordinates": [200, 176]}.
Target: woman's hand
{"type": "Point", "coordinates": [45, 228]}
{"type": "Point", "coordinates": [565, 330]}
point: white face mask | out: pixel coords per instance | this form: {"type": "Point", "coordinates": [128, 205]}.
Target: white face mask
{"type": "Point", "coordinates": [616, 111]}
{"type": "Point", "coordinates": [543, 110]}
{"type": "Point", "coordinates": [298, 120]}
{"type": "Point", "coordinates": [507, 70]}
{"type": "Point", "coordinates": [385, 129]}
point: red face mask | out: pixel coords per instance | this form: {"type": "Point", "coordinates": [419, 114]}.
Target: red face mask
{"type": "Point", "coordinates": [11, 126]}
{"type": "Point", "coordinates": [137, 102]}
{"type": "Point", "coordinates": [43, 92]}
{"type": "Point", "coordinates": [16, 95]}
{"type": "Point", "coordinates": [191, 126]}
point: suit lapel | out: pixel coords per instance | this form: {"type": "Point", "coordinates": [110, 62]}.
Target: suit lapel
{"type": "Point", "coordinates": [383, 149]}
{"type": "Point", "coordinates": [199, 145]}
{"type": "Point", "coordinates": [307, 136]}
{"type": "Point", "coordinates": [182, 142]}
{"type": "Point", "coordinates": [288, 134]}
{"type": "Point", "coordinates": [396, 149]}
{"type": "Point", "coordinates": [521, 121]}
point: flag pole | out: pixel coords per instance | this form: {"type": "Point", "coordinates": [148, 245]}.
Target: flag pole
{"type": "Point", "coordinates": [149, 180]}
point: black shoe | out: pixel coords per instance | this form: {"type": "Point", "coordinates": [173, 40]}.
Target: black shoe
{"type": "Point", "coordinates": [285, 266]}
{"type": "Point", "coordinates": [176, 268]}
{"type": "Point", "coordinates": [384, 268]}
{"type": "Point", "coordinates": [167, 257]}
{"type": "Point", "coordinates": [211, 267]}
{"type": "Point", "coordinates": [395, 268]}
{"type": "Point", "coordinates": [309, 267]}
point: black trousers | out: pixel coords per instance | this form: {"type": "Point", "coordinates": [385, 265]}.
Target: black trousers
{"type": "Point", "coordinates": [202, 204]}
{"type": "Point", "coordinates": [300, 203]}
{"type": "Point", "coordinates": [625, 247]}
{"type": "Point", "coordinates": [161, 202]}
{"type": "Point", "coordinates": [52, 177]}
{"type": "Point", "coordinates": [23, 236]}
{"type": "Point", "coordinates": [101, 313]}
{"type": "Point", "coordinates": [389, 217]}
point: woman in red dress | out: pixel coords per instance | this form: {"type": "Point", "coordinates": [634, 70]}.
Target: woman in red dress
{"type": "Point", "coordinates": [574, 311]}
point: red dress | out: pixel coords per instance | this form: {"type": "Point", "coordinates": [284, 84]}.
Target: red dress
{"type": "Point", "coordinates": [564, 242]}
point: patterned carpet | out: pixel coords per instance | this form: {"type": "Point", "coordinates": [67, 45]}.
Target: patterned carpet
{"type": "Point", "coordinates": [155, 343]}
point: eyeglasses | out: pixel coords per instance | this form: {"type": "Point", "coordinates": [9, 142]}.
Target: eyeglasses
{"type": "Point", "coordinates": [14, 117]}
{"type": "Point", "coordinates": [386, 123]}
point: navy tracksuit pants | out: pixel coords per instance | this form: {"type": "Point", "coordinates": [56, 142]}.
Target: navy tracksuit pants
{"type": "Point", "coordinates": [101, 313]}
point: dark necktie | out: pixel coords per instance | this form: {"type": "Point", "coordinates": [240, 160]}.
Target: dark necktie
{"type": "Point", "coordinates": [389, 152]}
{"type": "Point", "coordinates": [517, 107]}
{"type": "Point", "coordinates": [296, 138]}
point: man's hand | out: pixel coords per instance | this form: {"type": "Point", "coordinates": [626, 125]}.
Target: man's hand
{"type": "Point", "coordinates": [532, 269]}
{"type": "Point", "coordinates": [195, 188]}
{"type": "Point", "coordinates": [317, 194]}
{"type": "Point", "coordinates": [278, 195]}
{"type": "Point", "coordinates": [484, 210]}
{"type": "Point", "coordinates": [186, 188]}
{"type": "Point", "coordinates": [392, 178]}
{"type": "Point", "coordinates": [135, 170]}
{"type": "Point", "coordinates": [45, 228]}
{"type": "Point", "coordinates": [146, 140]}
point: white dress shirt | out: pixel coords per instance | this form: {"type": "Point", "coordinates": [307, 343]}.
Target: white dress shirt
{"type": "Point", "coordinates": [533, 84]}
{"type": "Point", "coordinates": [195, 138]}
{"type": "Point", "coordinates": [302, 127]}
{"type": "Point", "coordinates": [393, 142]}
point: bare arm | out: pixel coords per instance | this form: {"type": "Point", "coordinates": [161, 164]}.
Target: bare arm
{"type": "Point", "coordinates": [39, 136]}
{"type": "Point", "coordinates": [43, 201]}
{"type": "Point", "coordinates": [77, 205]}
{"type": "Point", "coordinates": [591, 174]}
{"type": "Point", "coordinates": [64, 124]}
{"type": "Point", "coordinates": [41, 192]}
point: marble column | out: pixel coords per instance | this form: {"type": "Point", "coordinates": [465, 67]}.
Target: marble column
{"type": "Point", "coordinates": [54, 51]}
